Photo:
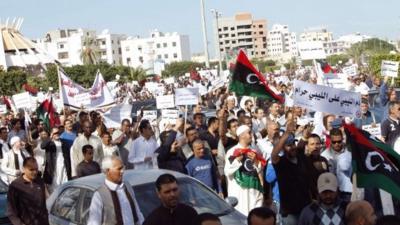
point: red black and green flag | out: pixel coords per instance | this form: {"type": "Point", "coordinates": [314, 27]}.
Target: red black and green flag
{"type": "Point", "coordinates": [46, 113]}
{"type": "Point", "coordinates": [375, 164]}
{"type": "Point", "coordinates": [247, 81]}
{"type": "Point", "coordinates": [325, 67]}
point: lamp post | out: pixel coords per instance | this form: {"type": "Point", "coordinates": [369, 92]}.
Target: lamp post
{"type": "Point", "coordinates": [217, 14]}
{"type": "Point", "coordinates": [205, 41]}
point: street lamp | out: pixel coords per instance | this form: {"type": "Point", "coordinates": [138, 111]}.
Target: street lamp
{"type": "Point", "coordinates": [217, 14]}
{"type": "Point", "coordinates": [205, 41]}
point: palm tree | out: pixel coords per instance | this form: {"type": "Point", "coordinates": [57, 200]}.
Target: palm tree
{"type": "Point", "coordinates": [137, 74]}
{"type": "Point", "coordinates": [90, 52]}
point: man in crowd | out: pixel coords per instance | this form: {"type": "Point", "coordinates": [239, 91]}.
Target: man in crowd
{"type": "Point", "coordinates": [114, 202]}
{"type": "Point", "coordinates": [207, 219]}
{"type": "Point", "coordinates": [339, 159]}
{"type": "Point", "coordinates": [143, 147]}
{"type": "Point", "coordinates": [123, 139]}
{"type": "Point", "coordinates": [67, 139]}
{"type": "Point", "coordinates": [171, 211]}
{"type": "Point", "coordinates": [87, 166]}
{"type": "Point", "coordinates": [212, 136]}
{"type": "Point", "coordinates": [259, 122]}
{"type": "Point", "coordinates": [243, 170]}
{"type": "Point", "coordinates": [390, 127]}
{"type": "Point", "coordinates": [360, 213]}
{"type": "Point", "coordinates": [261, 216]}
{"type": "Point", "coordinates": [367, 117]}
{"type": "Point", "coordinates": [26, 197]}
{"type": "Point", "coordinates": [198, 122]}
{"type": "Point", "coordinates": [329, 209]}
{"type": "Point", "coordinates": [85, 139]}
{"type": "Point", "coordinates": [291, 171]}
{"type": "Point", "coordinates": [191, 135]}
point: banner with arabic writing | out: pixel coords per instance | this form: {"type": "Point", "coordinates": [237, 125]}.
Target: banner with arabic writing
{"type": "Point", "coordinates": [75, 96]}
{"type": "Point", "coordinates": [326, 99]}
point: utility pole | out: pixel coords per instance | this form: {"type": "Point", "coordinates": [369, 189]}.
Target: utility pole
{"type": "Point", "coordinates": [205, 41]}
{"type": "Point", "coordinates": [217, 15]}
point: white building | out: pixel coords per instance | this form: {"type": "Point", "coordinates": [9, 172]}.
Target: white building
{"type": "Point", "coordinates": [110, 47]}
{"type": "Point", "coordinates": [316, 34]}
{"type": "Point", "coordinates": [281, 44]}
{"type": "Point", "coordinates": [340, 45]}
{"type": "Point", "coordinates": [143, 52]}
{"type": "Point", "coordinates": [66, 45]}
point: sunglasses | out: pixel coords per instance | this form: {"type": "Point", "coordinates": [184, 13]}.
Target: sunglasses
{"type": "Point", "coordinates": [337, 142]}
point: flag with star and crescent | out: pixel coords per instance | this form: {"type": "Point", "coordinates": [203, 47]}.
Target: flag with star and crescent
{"type": "Point", "coordinates": [248, 81]}
{"type": "Point", "coordinates": [375, 164]}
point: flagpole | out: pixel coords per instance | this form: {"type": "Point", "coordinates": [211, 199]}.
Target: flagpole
{"type": "Point", "coordinates": [60, 89]}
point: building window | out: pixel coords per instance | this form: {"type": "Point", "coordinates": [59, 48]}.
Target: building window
{"type": "Point", "coordinates": [158, 45]}
{"type": "Point", "coordinates": [233, 35]}
{"type": "Point", "coordinates": [260, 26]}
{"type": "Point", "coordinates": [232, 28]}
{"type": "Point", "coordinates": [261, 32]}
{"type": "Point", "coordinates": [119, 51]}
{"type": "Point", "coordinates": [61, 46]}
{"type": "Point", "coordinates": [128, 61]}
{"type": "Point", "coordinates": [233, 42]}
{"type": "Point", "coordinates": [174, 44]}
{"type": "Point", "coordinates": [165, 56]}
{"type": "Point", "coordinates": [113, 52]}
{"type": "Point", "coordinates": [139, 48]}
{"type": "Point", "coordinates": [141, 59]}
{"type": "Point", "coordinates": [225, 28]}
{"type": "Point", "coordinates": [127, 48]}
{"type": "Point", "coordinates": [158, 56]}
{"type": "Point", "coordinates": [112, 41]}
{"type": "Point", "coordinates": [219, 29]}
{"type": "Point", "coordinates": [63, 55]}
{"type": "Point", "coordinates": [220, 36]}
{"type": "Point", "coordinates": [175, 55]}
{"type": "Point", "coordinates": [165, 45]}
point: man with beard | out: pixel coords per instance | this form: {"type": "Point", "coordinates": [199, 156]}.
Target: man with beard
{"type": "Point", "coordinates": [329, 209]}
{"type": "Point", "coordinates": [243, 169]}
{"type": "Point", "coordinates": [171, 211]}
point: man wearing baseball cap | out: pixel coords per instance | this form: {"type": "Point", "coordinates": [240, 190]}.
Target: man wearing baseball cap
{"type": "Point", "coordinates": [329, 210]}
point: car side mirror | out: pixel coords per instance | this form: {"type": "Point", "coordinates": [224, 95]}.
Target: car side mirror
{"type": "Point", "coordinates": [233, 201]}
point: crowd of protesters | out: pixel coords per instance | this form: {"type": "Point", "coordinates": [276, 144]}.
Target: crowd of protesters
{"type": "Point", "coordinates": [281, 169]}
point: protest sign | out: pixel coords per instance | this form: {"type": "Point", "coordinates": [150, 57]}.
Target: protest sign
{"type": "Point", "coordinates": [339, 80]}
{"type": "Point", "coordinates": [169, 80]}
{"type": "Point", "coordinates": [327, 99]}
{"type": "Point", "coordinates": [22, 100]}
{"type": "Point", "coordinates": [82, 99]}
{"type": "Point", "coordinates": [170, 115]}
{"type": "Point", "coordinates": [114, 116]}
{"type": "Point", "coordinates": [150, 115]}
{"type": "Point", "coordinates": [373, 129]}
{"type": "Point", "coordinates": [3, 109]}
{"type": "Point", "coordinates": [350, 71]}
{"type": "Point", "coordinates": [311, 50]}
{"type": "Point", "coordinates": [217, 83]}
{"type": "Point", "coordinates": [389, 68]}
{"type": "Point", "coordinates": [165, 101]}
{"type": "Point", "coordinates": [186, 96]}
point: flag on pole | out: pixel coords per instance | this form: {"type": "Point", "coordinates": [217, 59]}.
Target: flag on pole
{"type": "Point", "coordinates": [247, 81]}
{"type": "Point", "coordinates": [46, 113]}
{"type": "Point", "coordinates": [375, 164]}
{"type": "Point", "coordinates": [325, 67]}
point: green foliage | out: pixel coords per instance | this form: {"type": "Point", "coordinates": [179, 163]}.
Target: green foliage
{"type": "Point", "coordinates": [90, 52]}
{"type": "Point", "coordinates": [263, 65]}
{"type": "Point", "coordinates": [12, 81]}
{"type": "Point", "coordinates": [370, 47]}
{"type": "Point", "coordinates": [180, 68]}
{"type": "Point", "coordinates": [375, 62]}
{"type": "Point", "coordinates": [334, 59]}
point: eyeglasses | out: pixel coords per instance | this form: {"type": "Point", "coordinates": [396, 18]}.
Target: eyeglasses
{"type": "Point", "coordinates": [337, 142]}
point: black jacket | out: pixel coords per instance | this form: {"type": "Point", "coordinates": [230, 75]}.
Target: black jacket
{"type": "Point", "coordinates": [170, 160]}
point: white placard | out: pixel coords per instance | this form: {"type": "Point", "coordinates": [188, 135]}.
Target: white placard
{"type": "Point", "coordinates": [170, 115]}
{"type": "Point", "coordinates": [22, 100]}
{"type": "Point", "coordinates": [311, 50]}
{"type": "Point", "coordinates": [350, 71]}
{"type": "Point", "coordinates": [389, 68]}
{"type": "Point", "coordinates": [3, 109]}
{"type": "Point", "coordinates": [374, 130]}
{"type": "Point", "coordinates": [114, 116]}
{"type": "Point", "coordinates": [165, 101]}
{"type": "Point", "coordinates": [327, 99]}
{"type": "Point", "coordinates": [150, 115]}
{"type": "Point", "coordinates": [169, 80]}
{"type": "Point", "coordinates": [82, 99]}
{"type": "Point", "coordinates": [217, 83]}
{"type": "Point", "coordinates": [186, 96]}
{"type": "Point", "coordinates": [338, 80]}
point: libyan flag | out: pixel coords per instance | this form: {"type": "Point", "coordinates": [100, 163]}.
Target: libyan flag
{"type": "Point", "coordinates": [46, 113]}
{"type": "Point", "coordinates": [247, 81]}
{"type": "Point", "coordinates": [375, 164]}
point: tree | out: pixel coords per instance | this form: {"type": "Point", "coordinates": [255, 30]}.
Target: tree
{"type": "Point", "coordinates": [334, 59]}
{"type": "Point", "coordinates": [180, 68]}
{"type": "Point", "coordinates": [90, 52]}
{"type": "Point", "coordinates": [370, 47]}
{"type": "Point", "coordinates": [12, 81]}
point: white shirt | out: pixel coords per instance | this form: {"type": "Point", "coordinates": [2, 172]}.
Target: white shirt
{"type": "Point", "coordinates": [96, 206]}
{"type": "Point", "coordinates": [265, 147]}
{"type": "Point", "coordinates": [110, 150]}
{"type": "Point", "coordinates": [340, 165]}
{"type": "Point", "coordinates": [140, 149]}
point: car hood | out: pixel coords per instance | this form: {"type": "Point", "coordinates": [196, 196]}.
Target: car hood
{"type": "Point", "coordinates": [233, 218]}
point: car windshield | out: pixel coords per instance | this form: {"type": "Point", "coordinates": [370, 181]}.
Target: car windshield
{"type": "Point", "coordinates": [3, 187]}
{"type": "Point", "coordinates": [191, 193]}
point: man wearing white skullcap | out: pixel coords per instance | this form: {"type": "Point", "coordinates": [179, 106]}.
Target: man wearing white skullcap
{"type": "Point", "coordinates": [243, 169]}
{"type": "Point", "coordinates": [12, 161]}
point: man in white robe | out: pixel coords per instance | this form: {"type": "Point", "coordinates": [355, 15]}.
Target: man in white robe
{"type": "Point", "coordinates": [243, 169]}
